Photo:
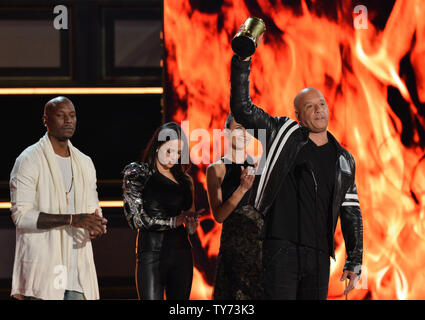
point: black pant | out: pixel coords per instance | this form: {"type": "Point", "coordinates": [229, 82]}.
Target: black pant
{"type": "Point", "coordinates": [170, 270]}
{"type": "Point", "coordinates": [294, 272]}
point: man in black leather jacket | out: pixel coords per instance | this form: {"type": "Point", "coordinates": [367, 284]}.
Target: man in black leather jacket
{"type": "Point", "coordinates": [307, 182]}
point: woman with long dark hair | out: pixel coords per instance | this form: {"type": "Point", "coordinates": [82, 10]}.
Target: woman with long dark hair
{"type": "Point", "coordinates": [159, 203]}
{"type": "Point", "coordinates": [239, 268]}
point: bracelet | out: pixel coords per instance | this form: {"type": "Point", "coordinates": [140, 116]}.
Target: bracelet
{"type": "Point", "coordinates": [70, 220]}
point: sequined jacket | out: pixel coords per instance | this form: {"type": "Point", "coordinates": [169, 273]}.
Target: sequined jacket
{"type": "Point", "coordinates": [136, 175]}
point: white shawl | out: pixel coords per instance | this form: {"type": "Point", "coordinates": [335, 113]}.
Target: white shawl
{"type": "Point", "coordinates": [41, 256]}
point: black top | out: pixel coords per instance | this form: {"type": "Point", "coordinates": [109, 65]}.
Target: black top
{"type": "Point", "coordinates": [163, 194]}
{"type": "Point", "coordinates": [232, 179]}
{"type": "Point", "coordinates": [295, 214]}
{"type": "Point", "coordinates": [239, 267]}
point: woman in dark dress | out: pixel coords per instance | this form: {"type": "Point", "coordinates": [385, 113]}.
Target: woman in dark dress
{"type": "Point", "coordinates": [159, 203]}
{"type": "Point", "coordinates": [239, 268]}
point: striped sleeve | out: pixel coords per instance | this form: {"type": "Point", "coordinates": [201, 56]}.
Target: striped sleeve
{"type": "Point", "coordinates": [351, 199]}
{"type": "Point", "coordinates": [352, 230]}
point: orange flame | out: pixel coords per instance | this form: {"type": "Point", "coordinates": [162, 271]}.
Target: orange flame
{"type": "Point", "coordinates": [355, 70]}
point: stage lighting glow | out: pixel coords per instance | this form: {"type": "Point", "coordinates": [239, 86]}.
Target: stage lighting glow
{"type": "Point", "coordinates": [115, 90]}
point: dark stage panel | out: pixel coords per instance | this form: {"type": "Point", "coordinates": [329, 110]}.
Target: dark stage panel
{"type": "Point", "coordinates": [111, 129]}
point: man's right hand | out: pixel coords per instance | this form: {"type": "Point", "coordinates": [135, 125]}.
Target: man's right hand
{"type": "Point", "coordinates": [95, 224]}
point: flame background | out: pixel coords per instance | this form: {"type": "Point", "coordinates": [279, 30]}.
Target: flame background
{"type": "Point", "coordinates": [374, 82]}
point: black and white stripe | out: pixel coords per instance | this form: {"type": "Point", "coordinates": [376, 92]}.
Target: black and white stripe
{"type": "Point", "coordinates": [279, 142]}
{"type": "Point", "coordinates": [351, 199]}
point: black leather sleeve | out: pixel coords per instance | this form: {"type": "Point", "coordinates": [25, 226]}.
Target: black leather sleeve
{"type": "Point", "coordinates": [352, 230]}
{"type": "Point", "coordinates": [135, 177]}
{"type": "Point", "coordinates": [243, 110]}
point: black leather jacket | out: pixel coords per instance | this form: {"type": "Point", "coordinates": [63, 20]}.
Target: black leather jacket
{"type": "Point", "coordinates": [284, 139]}
{"type": "Point", "coordinates": [156, 231]}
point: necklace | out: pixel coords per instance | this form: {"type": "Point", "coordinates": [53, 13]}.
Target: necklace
{"type": "Point", "coordinates": [72, 181]}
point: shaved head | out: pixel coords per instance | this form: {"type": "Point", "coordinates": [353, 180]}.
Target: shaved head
{"type": "Point", "coordinates": [300, 97]}
{"type": "Point", "coordinates": [60, 118]}
{"type": "Point", "coordinates": [53, 103]}
{"type": "Point", "coordinates": [311, 110]}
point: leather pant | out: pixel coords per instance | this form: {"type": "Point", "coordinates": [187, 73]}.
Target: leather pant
{"type": "Point", "coordinates": [168, 271]}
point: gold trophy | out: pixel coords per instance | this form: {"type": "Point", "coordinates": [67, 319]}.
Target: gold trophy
{"type": "Point", "coordinates": [248, 37]}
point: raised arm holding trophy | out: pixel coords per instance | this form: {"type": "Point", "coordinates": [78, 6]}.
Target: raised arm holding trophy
{"type": "Point", "coordinates": [307, 183]}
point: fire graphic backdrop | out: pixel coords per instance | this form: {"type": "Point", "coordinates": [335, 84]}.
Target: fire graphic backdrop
{"type": "Point", "coordinates": [374, 83]}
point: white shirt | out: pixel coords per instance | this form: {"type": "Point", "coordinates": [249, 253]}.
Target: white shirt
{"type": "Point", "coordinates": [36, 185]}
{"type": "Point", "coordinates": [66, 169]}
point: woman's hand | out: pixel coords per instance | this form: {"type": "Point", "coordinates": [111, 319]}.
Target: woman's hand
{"type": "Point", "coordinates": [190, 219]}
{"type": "Point", "coordinates": [181, 218]}
{"type": "Point", "coordinates": [247, 178]}
{"type": "Point", "coordinates": [192, 224]}
{"type": "Point", "coordinates": [185, 215]}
